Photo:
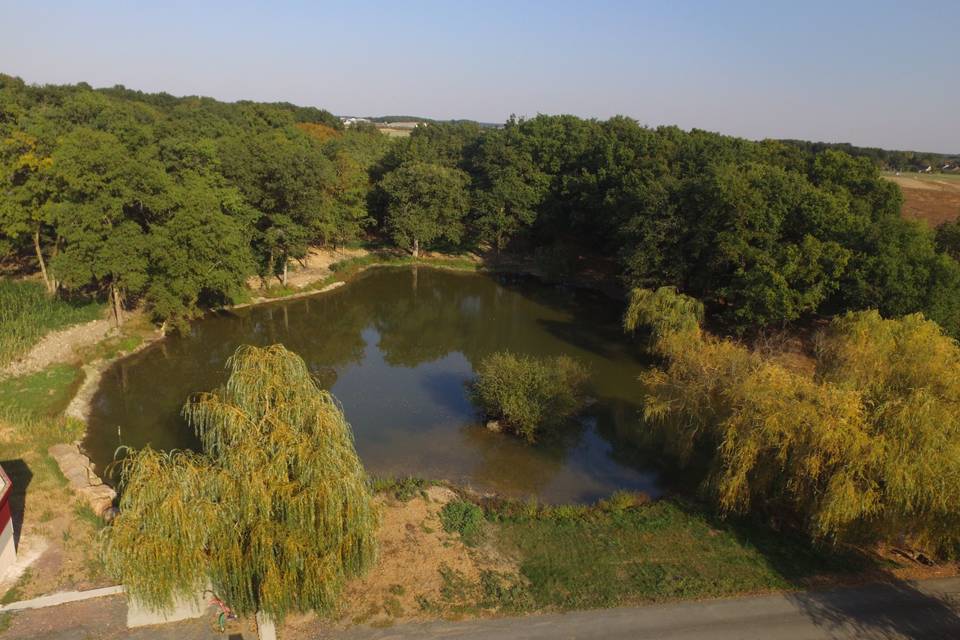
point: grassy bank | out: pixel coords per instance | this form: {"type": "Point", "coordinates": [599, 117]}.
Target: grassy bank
{"type": "Point", "coordinates": [30, 423]}
{"type": "Point", "coordinates": [625, 551]}
{"type": "Point", "coordinates": [27, 313]}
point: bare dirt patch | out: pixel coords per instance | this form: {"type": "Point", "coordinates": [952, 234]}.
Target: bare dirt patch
{"type": "Point", "coordinates": [316, 266]}
{"type": "Point", "coordinates": [413, 547]}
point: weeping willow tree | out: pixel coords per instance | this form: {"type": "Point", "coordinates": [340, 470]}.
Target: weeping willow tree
{"type": "Point", "coordinates": [867, 448]}
{"type": "Point", "coordinates": [275, 513]}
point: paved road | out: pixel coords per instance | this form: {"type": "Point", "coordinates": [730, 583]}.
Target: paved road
{"type": "Point", "coordinates": [928, 610]}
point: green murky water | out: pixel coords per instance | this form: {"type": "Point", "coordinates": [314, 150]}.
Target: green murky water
{"type": "Point", "coordinates": [397, 347]}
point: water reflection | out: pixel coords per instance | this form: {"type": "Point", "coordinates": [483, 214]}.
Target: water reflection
{"type": "Point", "coordinates": [398, 347]}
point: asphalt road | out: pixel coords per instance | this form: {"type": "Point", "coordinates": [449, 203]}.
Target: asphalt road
{"type": "Point", "coordinates": [927, 610]}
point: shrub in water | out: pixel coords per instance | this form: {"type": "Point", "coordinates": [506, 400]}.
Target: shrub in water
{"type": "Point", "coordinates": [526, 393]}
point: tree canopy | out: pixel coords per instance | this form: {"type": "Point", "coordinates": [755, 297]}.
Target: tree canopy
{"type": "Point", "coordinates": [275, 513]}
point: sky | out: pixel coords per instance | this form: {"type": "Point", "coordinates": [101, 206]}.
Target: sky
{"type": "Point", "coordinates": [875, 73]}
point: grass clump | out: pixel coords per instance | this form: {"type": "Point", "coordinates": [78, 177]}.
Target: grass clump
{"type": "Point", "coordinates": [465, 518]}
{"type": "Point", "coordinates": [27, 313]}
{"type": "Point", "coordinates": [402, 489]}
{"type": "Point", "coordinates": [525, 393]}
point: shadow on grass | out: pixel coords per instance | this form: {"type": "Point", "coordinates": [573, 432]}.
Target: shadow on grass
{"type": "Point", "coordinates": [874, 603]}
{"type": "Point", "coordinates": [21, 476]}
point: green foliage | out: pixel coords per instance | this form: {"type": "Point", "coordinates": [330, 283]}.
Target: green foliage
{"type": "Point", "coordinates": [276, 512]}
{"type": "Point", "coordinates": [865, 449]}
{"type": "Point", "coordinates": [424, 202]}
{"type": "Point", "coordinates": [526, 393]}
{"type": "Point", "coordinates": [663, 312]}
{"type": "Point", "coordinates": [28, 312]}
{"type": "Point", "coordinates": [125, 194]}
{"type": "Point", "coordinates": [402, 489]}
{"type": "Point", "coordinates": [465, 518]}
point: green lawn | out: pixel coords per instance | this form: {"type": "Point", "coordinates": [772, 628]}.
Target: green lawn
{"type": "Point", "coordinates": [574, 558]}
{"type": "Point", "coordinates": [42, 394]}
{"type": "Point", "coordinates": [27, 313]}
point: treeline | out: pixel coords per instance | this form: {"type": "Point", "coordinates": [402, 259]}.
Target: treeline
{"type": "Point", "coordinates": [764, 233]}
{"type": "Point", "coordinates": [172, 201]}
{"type": "Point", "coordinates": [176, 201]}
{"type": "Point", "coordinates": [884, 158]}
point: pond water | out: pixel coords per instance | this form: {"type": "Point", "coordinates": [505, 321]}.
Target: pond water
{"type": "Point", "coordinates": [397, 347]}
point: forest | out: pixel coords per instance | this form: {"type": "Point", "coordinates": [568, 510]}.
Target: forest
{"type": "Point", "coordinates": [173, 203]}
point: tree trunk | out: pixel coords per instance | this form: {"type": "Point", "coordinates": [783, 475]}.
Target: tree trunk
{"type": "Point", "coordinates": [286, 262]}
{"type": "Point", "coordinates": [43, 265]}
{"type": "Point", "coordinates": [117, 305]}
{"type": "Point", "coordinates": [416, 248]}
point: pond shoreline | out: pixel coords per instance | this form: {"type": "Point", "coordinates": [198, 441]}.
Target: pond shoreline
{"type": "Point", "coordinates": [80, 406]}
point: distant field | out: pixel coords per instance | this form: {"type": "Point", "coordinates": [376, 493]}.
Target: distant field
{"type": "Point", "coordinates": [934, 198]}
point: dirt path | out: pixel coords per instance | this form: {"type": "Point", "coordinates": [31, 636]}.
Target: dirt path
{"type": "Point", "coordinates": [316, 266]}
{"type": "Point", "coordinates": [59, 346]}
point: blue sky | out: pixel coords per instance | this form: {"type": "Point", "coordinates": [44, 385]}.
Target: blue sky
{"type": "Point", "coordinates": [873, 73]}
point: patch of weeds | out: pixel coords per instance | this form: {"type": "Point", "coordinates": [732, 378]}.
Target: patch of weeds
{"type": "Point", "coordinates": [403, 489]}
{"type": "Point", "coordinates": [85, 514]}
{"type": "Point", "coordinates": [15, 593]}
{"type": "Point", "coordinates": [465, 518]}
{"type": "Point", "coordinates": [454, 586]}
{"type": "Point", "coordinates": [6, 619]}
{"type": "Point", "coordinates": [425, 527]}
{"type": "Point", "coordinates": [392, 607]}
{"type": "Point", "coordinates": [427, 605]}
{"type": "Point", "coordinates": [397, 589]}
{"type": "Point", "coordinates": [504, 592]}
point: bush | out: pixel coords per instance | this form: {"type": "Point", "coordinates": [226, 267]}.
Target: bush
{"type": "Point", "coordinates": [526, 393]}
{"type": "Point", "coordinates": [465, 518]}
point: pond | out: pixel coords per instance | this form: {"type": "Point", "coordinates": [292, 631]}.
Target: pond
{"type": "Point", "coordinates": [398, 347]}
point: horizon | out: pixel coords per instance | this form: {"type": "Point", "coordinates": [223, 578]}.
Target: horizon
{"type": "Point", "coordinates": [818, 73]}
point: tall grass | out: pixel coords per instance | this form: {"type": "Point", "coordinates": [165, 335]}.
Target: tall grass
{"type": "Point", "coordinates": [27, 313]}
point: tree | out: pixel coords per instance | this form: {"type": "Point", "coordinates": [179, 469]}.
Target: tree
{"type": "Point", "coordinates": [200, 255]}
{"type": "Point", "coordinates": [106, 199]}
{"type": "Point", "coordinates": [508, 188]}
{"type": "Point", "coordinates": [24, 181]}
{"type": "Point", "coordinates": [424, 202]}
{"type": "Point", "coordinates": [276, 512]}
{"type": "Point", "coordinates": [866, 449]}
{"type": "Point", "coordinates": [284, 175]}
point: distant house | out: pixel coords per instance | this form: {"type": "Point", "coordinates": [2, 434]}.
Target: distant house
{"type": "Point", "coordinates": [349, 121]}
{"type": "Point", "coordinates": [927, 170]}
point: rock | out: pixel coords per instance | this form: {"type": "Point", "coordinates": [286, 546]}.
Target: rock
{"type": "Point", "coordinates": [494, 425]}
{"type": "Point", "coordinates": [84, 481]}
